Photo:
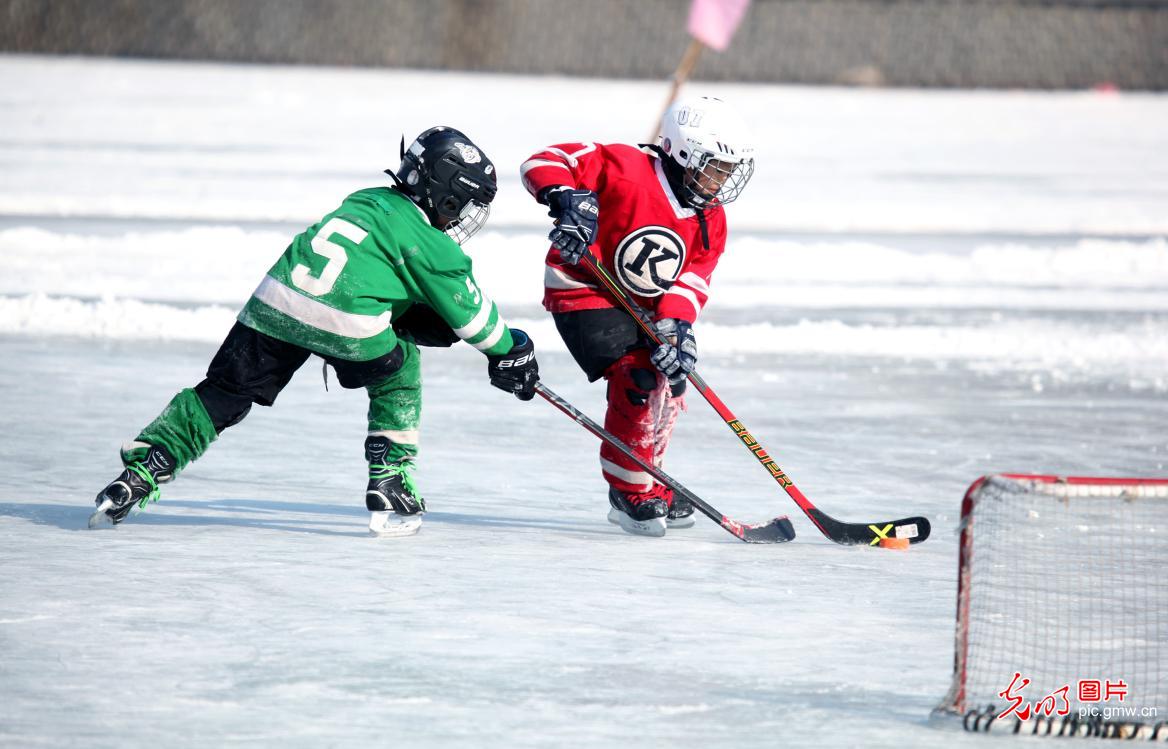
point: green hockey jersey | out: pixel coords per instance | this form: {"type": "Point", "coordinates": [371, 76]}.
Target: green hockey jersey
{"type": "Point", "coordinates": [338, 287]}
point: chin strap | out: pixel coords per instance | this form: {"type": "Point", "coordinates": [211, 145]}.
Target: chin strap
{"type": "Point", "coordinates": [670, 167]}
{"type": "Point", "coordinates": [401, 186]}
{"type": "Point", "coordinates": [401, 156]}
{"type": "Point", "coordinates": [397, 182]}
{"type": "Point", "coordinates": [705, 231]}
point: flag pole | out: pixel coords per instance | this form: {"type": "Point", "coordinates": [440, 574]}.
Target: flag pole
{"type": "Point", "coordinates": [680, 76]}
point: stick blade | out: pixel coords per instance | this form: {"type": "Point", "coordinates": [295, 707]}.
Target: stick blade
{"type": "Point", "coordinates": [777, 531]}
{"type": "Point", "coordinates": [904, 529]}
{"type": "Point", "coordinates": [916, 529]}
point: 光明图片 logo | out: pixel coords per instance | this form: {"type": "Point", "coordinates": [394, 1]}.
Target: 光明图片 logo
{"type": "Point", "coordinates": [1089, 695]}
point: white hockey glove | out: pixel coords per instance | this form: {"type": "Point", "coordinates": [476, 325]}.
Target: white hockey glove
{"type": "Point", "coordinates": [576, 213]}
{"type": "Point", "coordinates": [678, 355]}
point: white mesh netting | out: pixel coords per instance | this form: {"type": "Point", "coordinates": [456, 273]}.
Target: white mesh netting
{"type": "Point", "coordinates": [1064, 580]}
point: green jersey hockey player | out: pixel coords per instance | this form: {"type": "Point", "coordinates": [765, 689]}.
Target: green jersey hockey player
{"type": "Point", "coordinates": [363, 288]}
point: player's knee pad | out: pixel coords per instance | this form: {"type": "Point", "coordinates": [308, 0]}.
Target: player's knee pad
{"type": "Point", "coordinates": [644, 381]}
{"type": "Point", "coordinates": [359, 374]}
{"type": "Point", "coordinates": [631, 380]}
{"type": "Point", "coordinates": [629, 415]}
{"type": "Point", "coordinates": [225, 407]}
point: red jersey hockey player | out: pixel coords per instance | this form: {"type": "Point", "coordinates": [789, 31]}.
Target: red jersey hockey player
{"type": "Point", "coordinates": [653, 217]}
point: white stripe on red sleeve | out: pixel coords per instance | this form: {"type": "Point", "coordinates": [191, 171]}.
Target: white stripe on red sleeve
{"type": "Point", "coordinates": [688, 295]}
{"type": "Point", "coordinates": [694, 281]}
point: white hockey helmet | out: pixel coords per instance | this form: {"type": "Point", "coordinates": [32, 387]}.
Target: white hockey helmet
{"type": "Point", "coordinates": [706, 138]}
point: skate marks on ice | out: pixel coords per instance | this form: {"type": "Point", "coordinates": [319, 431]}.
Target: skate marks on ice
{"type": "Point", "coordinates": [276, 515]}
{"type": "Point", "coordinates": [252, 513]}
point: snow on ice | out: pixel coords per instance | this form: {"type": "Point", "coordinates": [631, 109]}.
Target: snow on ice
{"type": "Point", "coordinates": [920, 288]}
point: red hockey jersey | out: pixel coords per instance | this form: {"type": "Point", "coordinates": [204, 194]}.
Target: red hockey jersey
{"type": "Point", "coordinates": [649, 241]}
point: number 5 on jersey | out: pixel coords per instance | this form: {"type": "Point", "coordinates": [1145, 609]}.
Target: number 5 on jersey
{"type": "Point", "coordinates": [323, 244]}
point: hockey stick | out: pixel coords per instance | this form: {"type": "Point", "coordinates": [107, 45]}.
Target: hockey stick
{"type": "Point", "coordinates": [774, 532]}
{"type": "Point", "coordinates": [915, 529]}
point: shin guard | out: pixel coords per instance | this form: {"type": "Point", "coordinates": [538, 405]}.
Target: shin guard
{"type": "Point", "coordinates": [666, 418]}
{"type": "Point", "coordinates": [184, 428]}
{"type": "Point", "coordinates": [633, 386]}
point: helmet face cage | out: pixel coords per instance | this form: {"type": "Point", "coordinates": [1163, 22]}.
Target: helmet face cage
{"type": "Point", "coordinates": [460, 194]}
{"type": "Point", "coordinates": [711, 181]}
{"type": "Point", "coordinates": [712, 158]}
{"type": "Point", "coordinates": [470, 220]}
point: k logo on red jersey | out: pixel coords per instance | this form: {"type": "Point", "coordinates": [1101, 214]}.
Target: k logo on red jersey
{"type": "Point", "coordinates": [649, 260]}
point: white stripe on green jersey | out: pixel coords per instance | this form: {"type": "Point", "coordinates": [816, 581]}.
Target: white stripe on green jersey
{"type": "Point", "coordinates": [492, 338]}
{"type": "Point", "coordinates": [485, 328]}
{"type": "Point", "coordinates": [340, 283]}
{"type": "Point", "coordinates": [478, 322]}
{"type": "Point", "coordinates": [311, 312]}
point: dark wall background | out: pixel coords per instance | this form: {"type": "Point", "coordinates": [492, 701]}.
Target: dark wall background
{"type": "Point", "coordinates": [966, 43]}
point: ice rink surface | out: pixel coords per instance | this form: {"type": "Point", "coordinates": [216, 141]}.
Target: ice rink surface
{"type": "Point", "coordinates": [920, 288]}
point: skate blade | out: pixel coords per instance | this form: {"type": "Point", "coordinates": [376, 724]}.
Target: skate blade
{"type": "Point", "coordinates": [101, 519]}
{"type": "Point", "coordinates": [685, 522]}
{"type": "Point", "coordinates": [654, 527]}
{"type": "Point", "coordinates": [385, 524]}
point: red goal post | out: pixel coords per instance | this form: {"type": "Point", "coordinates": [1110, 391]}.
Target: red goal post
{"type": "Point", "coordinates": [1062, 605]}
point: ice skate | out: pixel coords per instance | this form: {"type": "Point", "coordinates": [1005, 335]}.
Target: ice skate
{"type": "Point", "coordinates": [681, 512]}
{"type": "Point", "coordinates": [395, 509]}
{"type": "Point", "coordinates": [642, 514]}
{"type": "Point", "coordinates": [147, 466]}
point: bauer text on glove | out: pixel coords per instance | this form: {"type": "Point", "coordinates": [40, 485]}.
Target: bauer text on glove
{"type": "Point", "coordinates": [576, 213]}
{"type": "Point", "coordinates": [515, 371]}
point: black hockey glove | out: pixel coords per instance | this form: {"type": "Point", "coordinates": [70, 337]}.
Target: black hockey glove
{"type": "Point", "coordinates": [576, 213]}
{"type": "Point", "coordinates": [515, 371]}
{"type": "Point", "coordinates": [678, 356]}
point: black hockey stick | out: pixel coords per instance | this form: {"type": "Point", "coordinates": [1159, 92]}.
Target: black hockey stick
{"type": "Point", "coordinates": [774, 532]}
{"type": "Point", "coordinates": [915, 529]}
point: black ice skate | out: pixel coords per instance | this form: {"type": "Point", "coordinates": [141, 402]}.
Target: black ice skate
{"type": "Point", "coordinates": [681, 511]}
{"type": "Point", "coordinates": [147, 466]}
{"type": "Point", "coordinates": [643, 514]}
{"type": "Point", "coordinates": [391, 497]}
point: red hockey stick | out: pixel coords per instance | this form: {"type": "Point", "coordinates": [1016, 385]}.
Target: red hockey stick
{"type": "Point", "coordinates": [915, 529]}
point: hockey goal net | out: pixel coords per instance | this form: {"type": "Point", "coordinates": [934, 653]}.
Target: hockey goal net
{"type": "Point", "coordinates": [1062, 607]}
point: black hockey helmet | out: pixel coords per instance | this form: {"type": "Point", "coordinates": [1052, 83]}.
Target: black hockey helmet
{"type": "Point", "coordinates": [450, 179]}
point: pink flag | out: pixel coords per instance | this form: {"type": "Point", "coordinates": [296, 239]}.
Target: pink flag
{"type": "Point", "coordinates": [712, 22]}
